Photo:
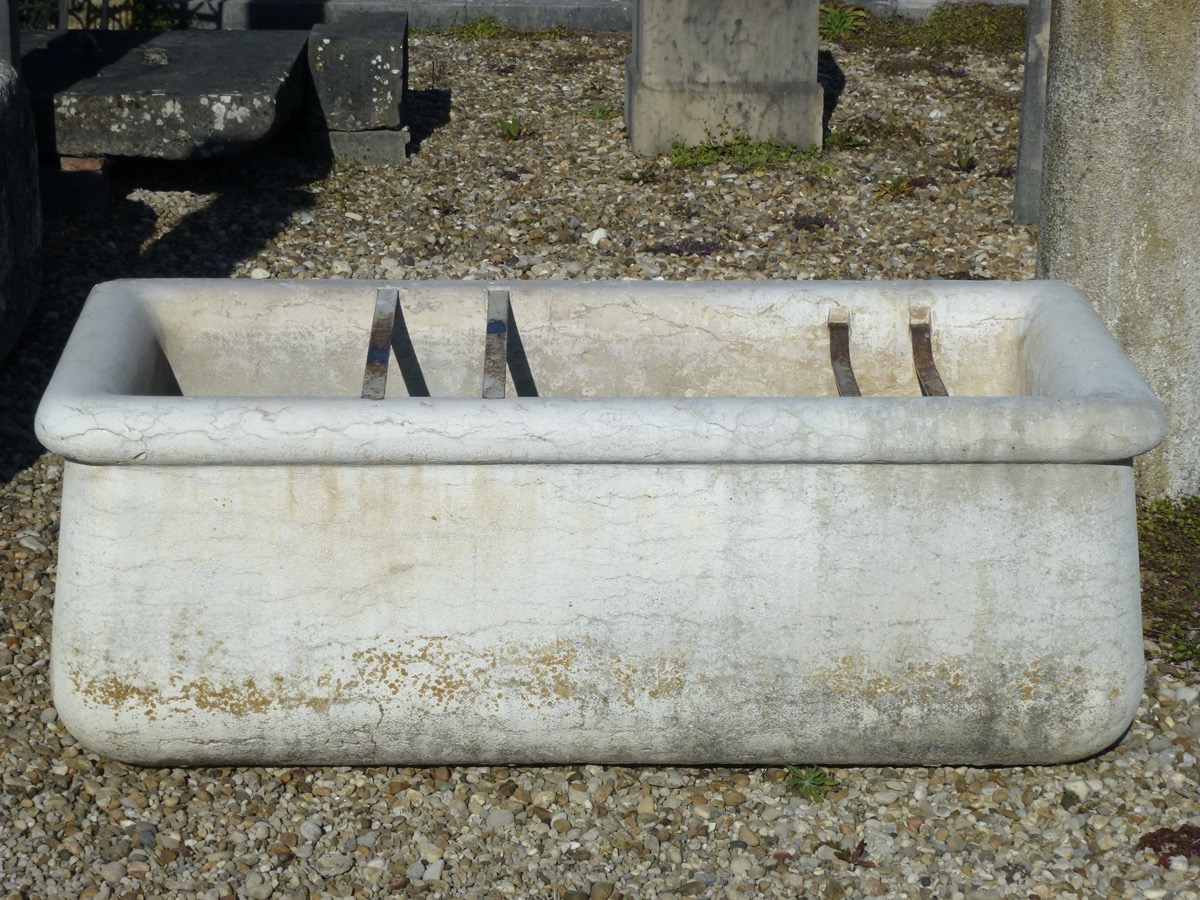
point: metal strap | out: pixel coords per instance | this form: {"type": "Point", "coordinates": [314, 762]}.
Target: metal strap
{"type": "Point", "coordinates": [387, 300]}
{"type": "Point", "coordinates": [839, 353]}
{"type": "Point", "coordinates": [495, 350]}
{"type": "Point", "coordinates": [920, 324]}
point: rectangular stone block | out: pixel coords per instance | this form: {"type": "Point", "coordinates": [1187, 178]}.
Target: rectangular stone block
{"type": "Point", "coordinates": [707, 69]}
{"type": "Point", "coordinates": [373, 148]}
{"type": "Point", "coordinates": [359, 69]}
{"type": "Point", "coordinates": [675, 542]}
{"type": "Point", "coordinates": [164, 95]}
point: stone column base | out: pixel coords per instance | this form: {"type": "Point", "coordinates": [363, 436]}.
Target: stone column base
{"type": "Point", "coordinates": [655, 117]}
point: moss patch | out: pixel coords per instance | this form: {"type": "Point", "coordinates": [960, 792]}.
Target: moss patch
{"type": "Point", "coordinates": [981, 26]}
{"type": "Point", "coordinates": [1169, 539]}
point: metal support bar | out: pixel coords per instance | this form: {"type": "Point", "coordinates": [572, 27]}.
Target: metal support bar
{"type": "Point", "coordinates": [495, 350]}
{"type": "Point", "coordinates": [920, 324]}
{"type": "Point", "coordinates": [839, 352]}
{"type": "Point", "coordinates": [376, 372]}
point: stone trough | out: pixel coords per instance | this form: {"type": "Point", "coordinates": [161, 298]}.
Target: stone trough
{"type": "Point", "coordinates": [663, 537]}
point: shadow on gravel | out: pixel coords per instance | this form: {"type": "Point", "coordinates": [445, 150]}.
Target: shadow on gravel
{"type": "Point", "coordinates": [254, 197]}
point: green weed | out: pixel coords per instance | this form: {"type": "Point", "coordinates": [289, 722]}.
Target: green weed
{"type": "Point", "coordinates": [980, 26]}
{"type": "Point", "coordinates": [839, 20]}
{"type": "Point", "coordinates": [811, 783]}
{"type": "Point", "coordinates": [1169, 542]}
{"type": "Point", "coordinates": [843, 140]}
{"type": "Point", "coordinates": [601, 111]}
{"type": "Point", "coordinates": [740, 152]}
{"type": "Point", "coordinates": [511, 129]}
{"type": "Point", "coordinates": [894, 188]}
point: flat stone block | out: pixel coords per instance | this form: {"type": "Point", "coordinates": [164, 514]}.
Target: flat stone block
{"type": "Point", "coordinates": [723, 41]}
{"type": "Point", "coordinates": [606, 15]}
{"type": "Point", "coordinates": [374, 148]}
{"type": "Point", "coordinates": [675, 542]}
{"type": "Point", "coordinates": [166, 95]}
{"type": "Point", "coordinates": [701, 69]}
{"type": "Point", "coordinates": [656, 117]}
{"type": "Point", "coordinates": [359, 69]}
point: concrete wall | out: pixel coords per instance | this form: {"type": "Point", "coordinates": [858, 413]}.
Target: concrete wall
{"type": "Point", "coordinates": [20, 209]}
{"type": "Point", "coordinates": [598, 15]}
{"type": "Point", "coordinates": [1121, 197]}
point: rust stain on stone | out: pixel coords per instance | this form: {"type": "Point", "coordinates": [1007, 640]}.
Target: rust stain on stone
{"type": "Point", "coordinates": [434, 671]}
{"type": "Point", "coordinates": [853, 677]}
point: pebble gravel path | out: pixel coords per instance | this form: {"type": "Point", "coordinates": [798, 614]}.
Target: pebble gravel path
{"type": "Point", "coordinates": [928, 195]}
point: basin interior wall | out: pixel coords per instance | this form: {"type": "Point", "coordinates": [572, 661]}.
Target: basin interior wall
{"type": "Point", "coordinates": [632, 344]}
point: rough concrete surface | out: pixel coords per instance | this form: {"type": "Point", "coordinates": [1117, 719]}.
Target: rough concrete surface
{"type": "Point", "coordinates": [20, 209]}
{"type": "Point", "coordinates": [1121, 197]}
{"type": "Point", "coordinates": [168, 95]}
{"type": "Point", "coordinates": [589, 15]}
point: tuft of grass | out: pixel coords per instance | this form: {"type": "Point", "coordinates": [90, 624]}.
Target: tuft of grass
{"type": "Point", "coordinates": [486, 28]}
{"type": "Point", "coordinates": [964, 158]}
{"type": "Point", "coordinates": [601, 111]}
{"type": "Point", "coordinates": [811, 783]}
{"type": "Point", "coordinates": [510, 129]}
{"type": "Point", "coordinates": [481, 29]}
{"type": "Point", "coordinates": [894, 188]}
{"type": "Point", "coordinates": [1169, 542]}
{"type": "Point", "coordinates": [844, 139]}
{"type": "Point", "coordinates": [740, 152]}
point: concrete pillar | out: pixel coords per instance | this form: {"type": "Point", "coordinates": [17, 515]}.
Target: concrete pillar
{"type": "Point", "coordinates": [20, 209]}
{"type": "Point", "coordinates": [707, 69]}
{"type": "Point", "coordinates": [1028, 188]}
{"type": "Point", "coordinates": [10, 34]}
{"type": "Point", "coordinates": [1121, 198]}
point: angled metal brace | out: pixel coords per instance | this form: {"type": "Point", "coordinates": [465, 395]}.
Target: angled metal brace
{"type": "Point", "coordinates": [495, 349]}
{"type": "Point", "coordinates": [839, 352]}
{"type": "Point", "coordinates": [920, 325]}
{"type": "Point", "coordinates": [376, 372]}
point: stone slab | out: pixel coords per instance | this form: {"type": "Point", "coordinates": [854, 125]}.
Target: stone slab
{"type": "Point", "coordinates": [359, 71]}
{"type": "Point", "coordinates": [167, 95]}
{"type": "Point", "coordinates": [372, 148]}
{"type": "Point", "coordinates": [582, 15]}
{"type": "Point", "coordinates": [20, 210]}
{"type": "Point", "coordinates": [707, 69]}
{"type": "Point", "coordinates": [677, 545]}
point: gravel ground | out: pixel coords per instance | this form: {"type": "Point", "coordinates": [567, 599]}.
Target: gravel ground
{"type": "Point", "coordinates": [566, 199]}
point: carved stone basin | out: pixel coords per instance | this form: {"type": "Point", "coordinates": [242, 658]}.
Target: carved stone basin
{"type": "Point", "coordinates": [670, 541]}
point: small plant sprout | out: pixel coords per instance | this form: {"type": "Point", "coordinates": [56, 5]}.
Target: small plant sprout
{"type": "Point", "coordinates": [964, 159]}
{"type": "Point", "coordinates": [843, 140]}
{"type": "Point", "coordinates": [894, 188]}
{"type": "Point", "coordinates": [838, 20]}
{"type": "Point", "coordinates": [601, 111]}
{"type": "Point", "coordinates": [510, 129]}
{"type": "Point", "coordinates": [854, 857]}
{"type": "Point", "coordinates": [811, 783]}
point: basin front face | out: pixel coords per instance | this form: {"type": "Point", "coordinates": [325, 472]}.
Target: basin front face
{"type": "Point", "coordinates": [685, 548]}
